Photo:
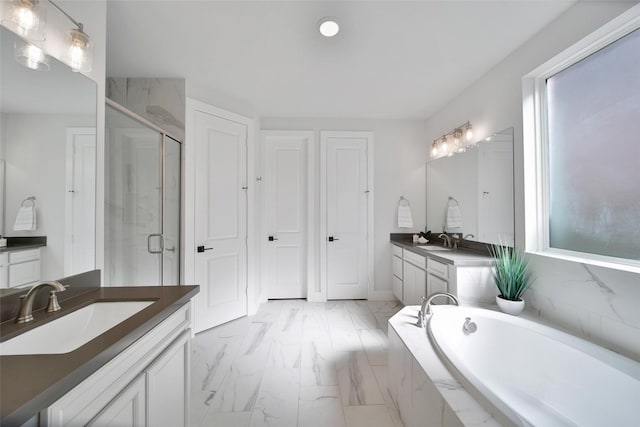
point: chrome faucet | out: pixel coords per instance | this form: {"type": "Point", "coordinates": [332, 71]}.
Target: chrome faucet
{"type": "Point", "coordinates": [447, 240]}
{"type": "Point", "coordinates": [425, 310]}
{"type": "Point", "coordinates": [26, 301]}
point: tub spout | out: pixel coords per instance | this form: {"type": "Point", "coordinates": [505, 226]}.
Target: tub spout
{"type": "Point", "coordinates": [425, 310]}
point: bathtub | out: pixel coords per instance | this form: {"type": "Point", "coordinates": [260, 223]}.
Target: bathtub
{"type": "Point", "coordinates": [536, 375]}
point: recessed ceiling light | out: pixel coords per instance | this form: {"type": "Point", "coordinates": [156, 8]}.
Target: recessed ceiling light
{"type": "Point", "coordinates": [328, 26]}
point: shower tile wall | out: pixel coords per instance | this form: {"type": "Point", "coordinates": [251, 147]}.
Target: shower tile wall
{"type": "Point", "coordinates": [161, 101]}
{"type": "Point", "coordinates": [599, 304]}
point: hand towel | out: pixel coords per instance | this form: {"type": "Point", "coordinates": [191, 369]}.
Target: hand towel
{"type": "Point", "coordinates": [454, 217]}
{"type": "Point", "coordinates": [26, 219]}
{"type": "Point", "coordinates": [405, 220]}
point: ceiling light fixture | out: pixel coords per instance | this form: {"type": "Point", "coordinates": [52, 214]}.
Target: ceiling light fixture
{"type": "Point", "coordinates": [441, 147]}
{"type": "Point", "coordinates": [328, 26]}
{"type": "Point", "coordinates": [27, 18]}
{"type": "Point", "coordinates": [79, 54]}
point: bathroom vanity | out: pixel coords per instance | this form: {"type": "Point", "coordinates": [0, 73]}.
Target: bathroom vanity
{"type": "Point", "coordinates": [135, 373]}
{"type": "Point", "coordinates": [20, 261]}
{"type": "Point", "coordinates": [420, 270]}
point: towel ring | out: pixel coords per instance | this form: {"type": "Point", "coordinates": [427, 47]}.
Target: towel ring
{"type": "Point", "coordinates": [403, 201]}
{"type": "Point", "coordinates": [451, 199]}
{"type": "Point", "coordinates": [31, 199]}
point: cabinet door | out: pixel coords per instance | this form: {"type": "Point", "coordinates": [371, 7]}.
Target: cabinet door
{"type": "Point", "coordinates": [436, 284]}
{"type": "Point", "coordinates": [127, 409]}
{"type": "Point", "coordinates": [397, 266]}
{"type": "Point", "coordinates": [168, 385]}
{"type": "Point", "coordinates": [397, 288]}
{"type": "Point", "coordinates": [414, 284]}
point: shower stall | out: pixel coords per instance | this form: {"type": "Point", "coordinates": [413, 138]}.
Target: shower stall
{"type": "Point", "coordinates": [142, 201]}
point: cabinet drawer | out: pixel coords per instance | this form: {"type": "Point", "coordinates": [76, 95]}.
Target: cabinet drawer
{"type": "Point", "coordinates": [22, 256]}
{"type": "Point", "coordinates": [3, 258]}
{"type": "Point", "coordinates": [23, 273]}
{"type": "Point", "coordinates": [397, 250]}
{"type": "Point", "coordinates": [415, 259]}
{"type": "Point", "coordinates": [438, 268]}
{"type": "Point", "coordinates": [397, 267]}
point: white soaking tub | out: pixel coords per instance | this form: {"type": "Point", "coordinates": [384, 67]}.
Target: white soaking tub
{"type": "Point", "coordinates": [536, 375]}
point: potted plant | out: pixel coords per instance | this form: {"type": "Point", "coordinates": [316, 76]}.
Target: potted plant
{"type": "Point", "coordinates": [512, 277]}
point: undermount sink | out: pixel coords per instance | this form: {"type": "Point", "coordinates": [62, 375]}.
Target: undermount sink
{"type": "Point", "coordinates": [434, 248]}
{"type": "Point", "coordinates": [69, 332]}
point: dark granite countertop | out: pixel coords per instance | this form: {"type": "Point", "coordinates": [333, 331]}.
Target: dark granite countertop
{"type": "Point", "coordinates": [31, 383]}
{"type": "Point", "coordinates": [24, 243]}
{"type": "Point", "coordinates": [458, 257]}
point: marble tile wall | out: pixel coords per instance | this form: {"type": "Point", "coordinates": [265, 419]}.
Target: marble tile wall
{"type": "Point", "coordinates": [159, 100]}
{"type": "Point", "coordinates": [296, 363]}
{"type": "Point", "coordinates": [596, 303]}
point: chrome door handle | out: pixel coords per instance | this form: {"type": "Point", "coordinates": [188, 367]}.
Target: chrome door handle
{"type": "Point", "coordinates": [171, 249]}
{"type": "Point", "coordinates": [151, 251]}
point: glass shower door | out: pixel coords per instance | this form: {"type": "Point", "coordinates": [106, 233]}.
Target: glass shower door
{"type": "Point", "coordinates": [171, 217]}
{"type": "Point", "coordinates": [133, 238]}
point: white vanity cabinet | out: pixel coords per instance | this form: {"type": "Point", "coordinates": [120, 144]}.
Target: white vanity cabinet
{"type": "Point", "coordinates": [464, 273]}
{"type": "Point", "coordinates": [145, 385]}
{"type": "Point", "coordinates": [20, 268]}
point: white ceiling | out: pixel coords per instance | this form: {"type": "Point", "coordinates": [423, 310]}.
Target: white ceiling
{"type": "Point", "coordinates": [391, 59]}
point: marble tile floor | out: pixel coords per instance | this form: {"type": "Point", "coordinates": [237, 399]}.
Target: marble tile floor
{"type": "Point", "coordinates": [296, 363]}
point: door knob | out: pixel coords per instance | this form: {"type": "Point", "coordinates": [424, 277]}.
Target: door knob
{"type": "Point", "coordinates": [271, 238]}
{"type": "Point", "coordinates": [202, 249]}
{"type": "Point", "coordinates": [331, 238]}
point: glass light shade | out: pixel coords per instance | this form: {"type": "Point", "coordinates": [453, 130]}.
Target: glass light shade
{"type": "Point", "coordinates": [434, 149]}
{"type": "Point", "coordinates": [469, 133]}
{"type": "Point", "coordinates": [79, 53]}
{"type": "Point", "coordinates": [31, 56]}
{"type": "Point", "coordinates": [27, 18]}
{"type": "Point", "coordinates": [444, 145]}
{"type": "Point", "coordinates": [329, 27]}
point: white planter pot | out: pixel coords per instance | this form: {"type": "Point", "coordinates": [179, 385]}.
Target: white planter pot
{"type": "Point", "coordinates": [510, 307]}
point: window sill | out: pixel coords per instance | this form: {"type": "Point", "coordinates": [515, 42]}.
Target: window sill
{"type": "Point", "coordinates": [589, 259]}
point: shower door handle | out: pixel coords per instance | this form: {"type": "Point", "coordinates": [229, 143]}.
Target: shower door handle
{"type": "Point", "coordinates": [155, 251]}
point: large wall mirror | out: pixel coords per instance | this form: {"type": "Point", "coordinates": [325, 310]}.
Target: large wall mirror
{"type": "Point", "coordinates": [479, 181]}
{"type": "Point", "coordinates": [48, 151]}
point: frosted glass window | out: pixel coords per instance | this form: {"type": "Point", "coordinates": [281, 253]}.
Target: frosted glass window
{"type": "Point", "coordinates": [594, 152]}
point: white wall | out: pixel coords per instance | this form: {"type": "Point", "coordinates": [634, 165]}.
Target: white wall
{"type": "Point", "coordinates": [399, 170]}
{"type": "Point", "coordinates": [597, 303]}
{"type": "Point", "coordinates": [42, 176]}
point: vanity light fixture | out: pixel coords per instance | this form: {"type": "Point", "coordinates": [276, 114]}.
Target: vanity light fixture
{"type": "Point", "coordinates": [27, 18]}
{"type": "Point", "coordinates": [31, 56]}
{"type": "Point", "coordinates": [79, 53]}
{"type": "Point", "coordinates": [328, 26]}
{"type": "Point", "coordinates": [461, 136]}
{"type": "Point", "coordinates": [468, 131]}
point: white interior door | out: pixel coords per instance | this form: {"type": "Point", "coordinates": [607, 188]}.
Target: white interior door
{"type": "Point", "coordinates": [285, 225]}
{"type": "Point", "coordinates": [80, 201]}
{"type": "Point", "coordinates": [345, 204]}
{"type": "Point", "coordinates": [220, 220]}
{"type": "Point", "coordinates": [495, 188]}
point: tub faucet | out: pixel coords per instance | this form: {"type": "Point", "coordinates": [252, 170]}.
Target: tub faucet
{"type": "Point", "coordinates": [26, 301]}
{"type": "Point", "coordinates": [425, 310]}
